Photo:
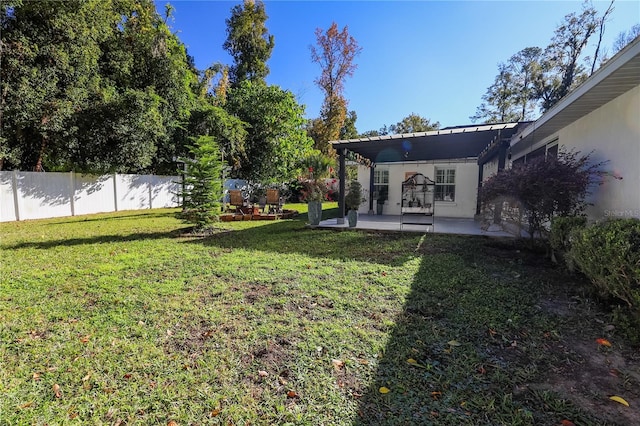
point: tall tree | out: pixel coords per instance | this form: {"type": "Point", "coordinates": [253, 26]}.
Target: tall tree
{"type": "Point", "coordinates": [601, 26]}
{"type": "Point", "coordinates": [276, 138]}
{"type": "Point", "coordinates": [414, 123]}
{"type": "Point", "coordinates": [142, 55]}
{"type": "Point", "coordinates": [248, 42]}
{"type": "Point", "coordinates": [559, 70]}
{"type": "Point", "coordinates": [510, 97]}
{"type": "Point", "coordinates": [500, 101]}
{"type": "Point", "coordinates": [50, 54]}
{"type": "Point", "coordinates": [93, 86]}
{"type": "Point", "coordinates": [523, 65]}
{"type": "Point", "coordinates": [348, 130]}
{"type": "Point", "coordinates": [625, 37]}
{"type": "Point", "coordinates": [335, 53]}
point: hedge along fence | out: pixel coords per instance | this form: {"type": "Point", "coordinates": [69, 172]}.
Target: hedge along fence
{"type": "Point", "coordinates": [608, 253]}
{"type": "Point", "coordinates": [33, 195]}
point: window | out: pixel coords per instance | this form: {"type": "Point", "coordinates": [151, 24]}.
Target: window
{"type": "Point", "coordinates": [445, 185]}
{"type": "Point", "coordinates": [381, 183]}
{"type": "Point", "coordinates": [552, 151]}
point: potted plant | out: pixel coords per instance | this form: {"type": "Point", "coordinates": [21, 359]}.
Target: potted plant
{"type": "Point", "coordinates": [352, 202]}
{"type": "Point", "coordinates": [314, 192]}
{"type": "Point", "coordinates": [383, 194]}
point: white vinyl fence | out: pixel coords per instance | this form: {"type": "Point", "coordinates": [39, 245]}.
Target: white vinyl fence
{"type": "Point", "coordinates": [32, 195]}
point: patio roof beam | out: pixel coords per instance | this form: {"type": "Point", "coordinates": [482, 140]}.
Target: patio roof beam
{"type": "Point", "coordinates": [341, 177]}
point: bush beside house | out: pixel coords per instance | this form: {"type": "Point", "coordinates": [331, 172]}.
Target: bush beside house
{"type": "Point", "coordinates": [608, 254]}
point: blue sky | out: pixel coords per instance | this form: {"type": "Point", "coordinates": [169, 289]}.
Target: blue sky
{"type": "Point", "coordinates": [432, 58]}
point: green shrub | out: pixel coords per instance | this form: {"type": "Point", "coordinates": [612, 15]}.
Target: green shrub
{"type": "Point", "coordinates": [609, 255]}
{"type": "Point", "coordinates": [562, 228]}
{"type": "Point", "coordinates": [202, 188]}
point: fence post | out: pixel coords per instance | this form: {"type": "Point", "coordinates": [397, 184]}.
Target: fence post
{"type": "Point", "coordinates": [115, 191]}
{"type": "Point", "coordinates": [72, 193]}
{"type": "Point", "coordinates": [14, 184]}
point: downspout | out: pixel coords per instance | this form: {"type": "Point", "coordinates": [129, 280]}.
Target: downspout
{"type": "Point", "coordinates": [341, 176]}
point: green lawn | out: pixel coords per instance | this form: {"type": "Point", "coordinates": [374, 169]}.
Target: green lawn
{"type": "Point", "coordinates": [124, 319]}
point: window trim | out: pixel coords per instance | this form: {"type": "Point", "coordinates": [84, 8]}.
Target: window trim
{"type": "Point", "coordinates": [437, 185]}
{"type": "Point", "coordinates": [376, 183]}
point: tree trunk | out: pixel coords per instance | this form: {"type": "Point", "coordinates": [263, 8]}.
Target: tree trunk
{"type": "Point", "coordinates": [43, 146]}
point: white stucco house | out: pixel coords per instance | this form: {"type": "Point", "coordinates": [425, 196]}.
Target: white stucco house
{"type": "Point", "coordinates": [602, 116]}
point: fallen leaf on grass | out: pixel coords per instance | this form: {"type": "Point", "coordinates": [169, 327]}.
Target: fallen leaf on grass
{"type": "Point", "coordinates": [436, 394]}
{"type": "Point", "coordinates": [85, 339]}
{"type": "Point", "coordinates": [619, 400]}
{"type": "Point", "coordinates": [263, 373]}
{"type": "Point", "coordinates": [454, 343]}
{"type": "Point", "coordinates": [26, 405]}
{"type": "Point", "coordinates": [566, 422]}
{"type": "Point", "coordinates": [36, 376]}
{"type": "Point", "coordinates": [603, 342]}
{"type": "Point", "coordinates": [384, 390]}
{"type": "Point", "coordinates": [215, 413]}
{"type": "Point", "coordinates": [172, 423]}
{"type": "Point", "coordinates": [412, 361]}
{"type": "Point", "coordinates": [337, 364]}
{"type": "Point", "coordinates": [292, 394]}
{"type": "Point", "coordinates": [56, 390]}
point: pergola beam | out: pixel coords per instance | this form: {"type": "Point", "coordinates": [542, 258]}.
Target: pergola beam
{"type": "Point", "coordinates": [342, 174]}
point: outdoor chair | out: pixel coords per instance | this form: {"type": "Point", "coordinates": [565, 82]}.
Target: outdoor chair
{"type": "Point", "coordinates": [235, 199]}
{"type": "Point", "coordinates": [274, 201]}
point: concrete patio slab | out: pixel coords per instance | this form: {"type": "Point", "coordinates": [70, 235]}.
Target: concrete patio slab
{"type": "Point", "coordinates": [391, 223]}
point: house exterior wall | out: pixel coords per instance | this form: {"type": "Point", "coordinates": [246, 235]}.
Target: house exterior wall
{"type": "Point", "coordinates": [489, 169]}
{"type": "Point", "coordinates": [611, 133]}
{"type": "Point", "coordinates": [466, 186]}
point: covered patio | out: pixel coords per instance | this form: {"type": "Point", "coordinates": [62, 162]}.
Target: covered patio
{"type": "Point", "coordinates": [392, 223]}
{"type": "Point", "coordinates": [454, 148]}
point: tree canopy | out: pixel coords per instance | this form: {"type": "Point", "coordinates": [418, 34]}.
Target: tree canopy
{"type": "Point", "coordinates": [536, 79]}
{"type": "Point", "coordinates": [248, 42]}
{"type": "Point", "coordinates": [413, 123]}
{"type": "Point", "coordinates": [335, 52]}
{"type": "Point", "coordinates": [105, 86]}
{"type": "Point", "coordinates": [92, 86]}
{"type": "Point", "coordinates": [276, 140]}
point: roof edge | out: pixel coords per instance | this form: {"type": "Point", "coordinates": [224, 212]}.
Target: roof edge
{"type": "Point", "coordinates": [618, 60]}
{"type": "Point", "coordinates": [448, 131]}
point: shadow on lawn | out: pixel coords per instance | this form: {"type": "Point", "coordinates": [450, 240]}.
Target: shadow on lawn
{"type": "Point", "coordinates": [468, 346]}
{"type": "Point", "coordinates": [440, 364]}
{"type": "Point", "coordinates": [108, 217]}
{"type": "Point", "coordinates": [292, 236]}
{"type": "Point", "coordinates": [418, 334]}
{"type": "Point", "coordinates": [43, 245]}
